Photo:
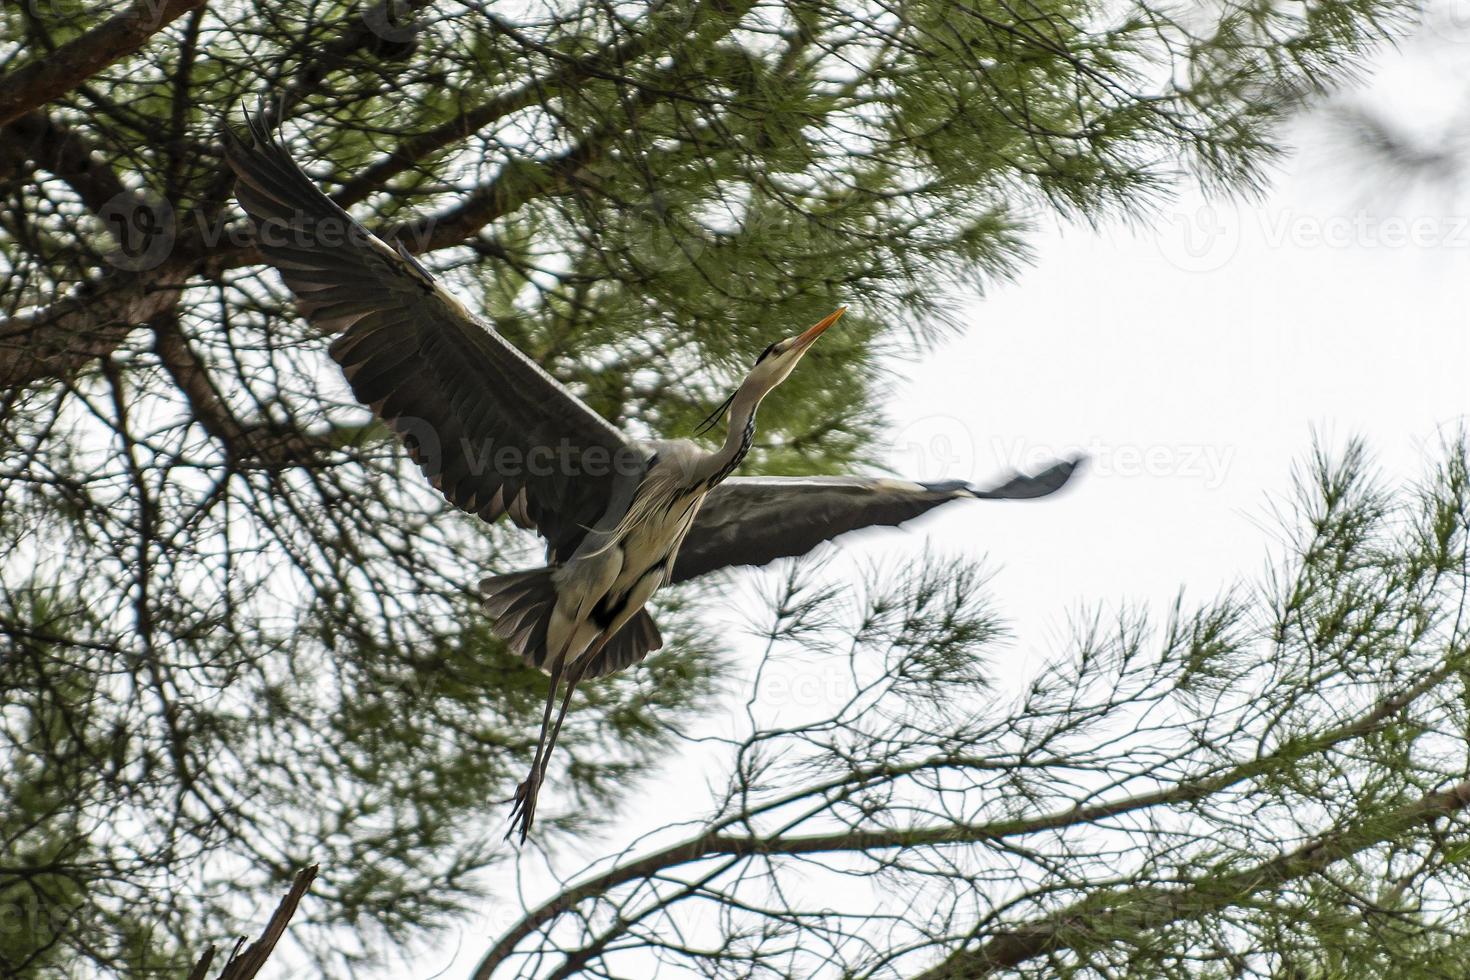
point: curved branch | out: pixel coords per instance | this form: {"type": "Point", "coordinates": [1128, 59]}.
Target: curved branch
{"type": "Point", "coordinates": [1152, 907]}
{"type": "Point", "coordinates": [90, 323]}
{"type": "Point", "coordinates": [243, 442]}
{"type": "Point", "coordinates": [64, 69]}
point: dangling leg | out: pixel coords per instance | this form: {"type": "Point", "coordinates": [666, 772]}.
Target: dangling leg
{"type": "Point", "coordinates": [525, 798]}
{"type": "Point", "coordinates": [527, 807]}
{"type": "Point", "coordinates": [579, 669]}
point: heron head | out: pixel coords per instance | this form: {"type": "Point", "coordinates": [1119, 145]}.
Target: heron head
{"type": "Point", "coordinates": [771, 368]}
{"type": "Point", "coordinates": [777, 361]}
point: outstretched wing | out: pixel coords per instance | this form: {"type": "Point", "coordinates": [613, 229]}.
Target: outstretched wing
{"type": "Point", "coordinates": [491, 430]}
{"type": "Point", "coordinates": [755, 520]}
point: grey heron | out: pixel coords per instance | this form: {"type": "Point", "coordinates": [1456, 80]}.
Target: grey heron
{"type": "Point", "coordinates": [497, 435]}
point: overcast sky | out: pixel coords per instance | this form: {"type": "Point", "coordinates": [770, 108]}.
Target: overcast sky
{"type": "Point", "coordinates": [1193, 363]}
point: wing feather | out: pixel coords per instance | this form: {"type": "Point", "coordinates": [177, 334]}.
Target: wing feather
{"type": "Point", "coordinates": [755, 520]}
{"type": "Point", "coordinates": [489, 428]}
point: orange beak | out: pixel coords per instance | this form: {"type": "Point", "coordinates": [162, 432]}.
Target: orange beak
{"type": "Point", "coordinates": [806, 339]}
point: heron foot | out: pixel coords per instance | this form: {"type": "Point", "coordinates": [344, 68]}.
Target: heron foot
{"type": "Point", "coordinates": [523, 809]}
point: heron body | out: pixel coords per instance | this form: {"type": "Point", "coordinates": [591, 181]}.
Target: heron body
{"type": "Point", "coordinates": [621, 519]}
{"type": "Point", "coordinates": [593, 595]}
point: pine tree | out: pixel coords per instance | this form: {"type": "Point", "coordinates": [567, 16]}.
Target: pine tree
{"type": "Point", "coordinates": [237, 633]}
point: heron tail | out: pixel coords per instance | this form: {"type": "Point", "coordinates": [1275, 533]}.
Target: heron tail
{"type": "Point", "coordinates": [638, 637]}
{"type": "Point", "coordinates": [521, 604]}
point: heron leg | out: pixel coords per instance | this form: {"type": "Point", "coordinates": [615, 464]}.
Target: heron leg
{"type": "Point", "coordinates": [525, 799]}
{"type": "Point", "coordinates": [579, 669]}
{"type": "Point", "coordinates": [524, 806]}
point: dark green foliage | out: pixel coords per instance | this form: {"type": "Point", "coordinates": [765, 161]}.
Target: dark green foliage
{"type": "Point", "coordinates": [236, 626]}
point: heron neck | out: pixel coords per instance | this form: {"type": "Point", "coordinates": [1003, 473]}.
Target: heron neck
{"type": "Point", "coordinates": [738, 437]}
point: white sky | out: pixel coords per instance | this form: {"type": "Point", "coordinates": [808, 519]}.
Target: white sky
{"type": "Point", "coordinates": [1193, 362]}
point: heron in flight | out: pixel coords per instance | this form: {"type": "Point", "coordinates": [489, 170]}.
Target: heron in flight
{"type": "Point", "coordinates": [496, 434]}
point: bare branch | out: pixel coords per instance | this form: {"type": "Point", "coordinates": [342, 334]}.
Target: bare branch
{"type": "Point", "coordinates": [243, 442]}
{"type": "Point", "coordinates": [60, 71]}
{"type": "Point", "coordinates": [55, 147]}
{"type": "Point", "coordinates": [245, 966]}
{"type": "Point", "coordinates": [59, 341]}
{"type": "Point", "coordinates": [717, 843]}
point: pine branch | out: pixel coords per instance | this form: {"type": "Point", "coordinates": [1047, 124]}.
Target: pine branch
{"type": "Point", "coordinates": [1116, 917]}
{"type": "Point", "coordinates": [58, 341]}
{"type": "Point", "coordinates": [244, 443]}
{"type": "Point", "coordinates": [573, 72]}
{"type": "Point", "coordinates": [717, 843]}
{"type": "Point", "coordinates": [65, 338]}
{"type": "Point", "coordinates": [62, 70]}
{"type": "Point", "coordinates": [55, 147]}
